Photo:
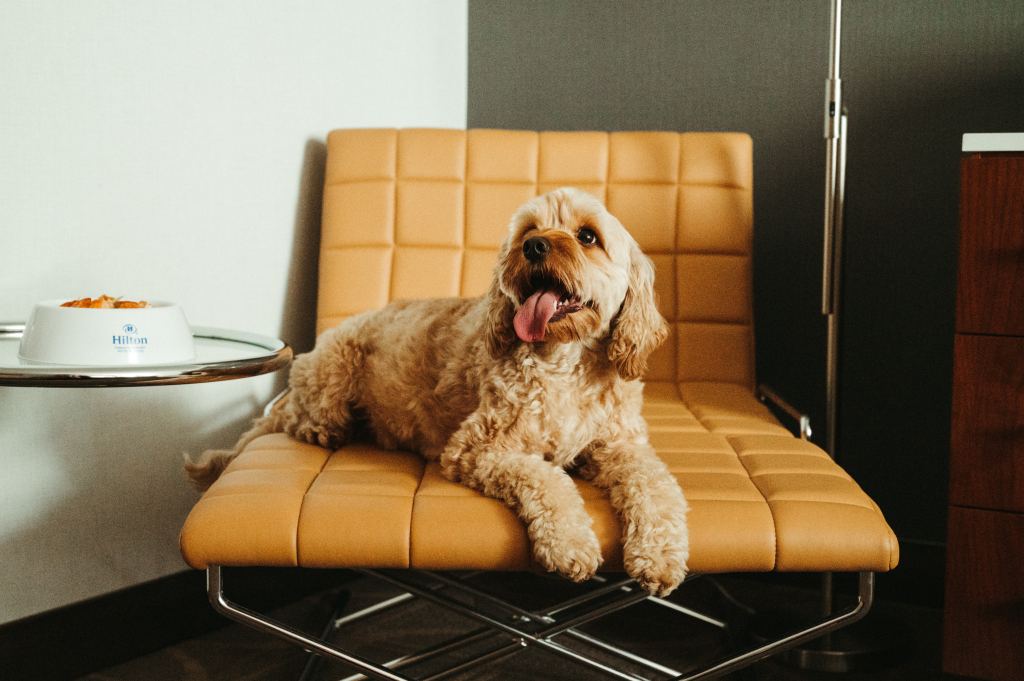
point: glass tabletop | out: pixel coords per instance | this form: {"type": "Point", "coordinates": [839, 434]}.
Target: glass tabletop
{"type": "Point", "coordinates": [221, 354]}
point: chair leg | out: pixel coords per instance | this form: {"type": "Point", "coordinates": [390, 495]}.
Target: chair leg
{"type": "Point", "coordinates": [545, 637]}
{"type": "Point", "coordinates": [215, 591]}
{"type": "Point", "coordinates": [865, 599]}
{"type": "Point", "coordinates": [689, 612]}
{"type": "Point", "coordinates": [524, 616]}
{"type": "Point", "coordinates": [530, 629]}
{"type": "Point", "coordinates": [546, 618]}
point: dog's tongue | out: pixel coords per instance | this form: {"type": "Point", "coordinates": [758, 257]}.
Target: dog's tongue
{"type": "Point", "coordinates": [531, 319]}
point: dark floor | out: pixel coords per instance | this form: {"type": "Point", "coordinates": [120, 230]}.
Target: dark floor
{"type": "Point", "coordinates": [237, 653]}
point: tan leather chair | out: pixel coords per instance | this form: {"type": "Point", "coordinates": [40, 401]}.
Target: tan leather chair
{"type": "Point", "coordinates": [420, 213]}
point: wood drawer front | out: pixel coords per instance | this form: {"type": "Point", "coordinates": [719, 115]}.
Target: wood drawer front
{"type": "Point", "coordinates": [990, 286]}
{"type": "Point", "coordinates": [984, 612]}
{"type": "Point", "coordinates": [986, 465]}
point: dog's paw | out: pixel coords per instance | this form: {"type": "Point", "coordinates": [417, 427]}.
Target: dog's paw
{"type": "Point", "coordinates": [575, 555]}
{"type": "Point", "coordinates": [317, 434]}
{"type": "Point", "coordinates": [659, 567]}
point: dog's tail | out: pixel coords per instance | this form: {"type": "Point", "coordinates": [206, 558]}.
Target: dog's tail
{"type": "Point", "coordinates": [207, 468]}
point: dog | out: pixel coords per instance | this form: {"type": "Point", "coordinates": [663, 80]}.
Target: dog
{"type": "Point", "coordinates": [512, 391]}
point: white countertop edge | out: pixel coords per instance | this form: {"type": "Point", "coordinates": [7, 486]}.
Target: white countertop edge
{"type": "Point", "coordinates": [993, 141]}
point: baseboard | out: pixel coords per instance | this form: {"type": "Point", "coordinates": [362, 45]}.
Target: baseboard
{"type": "Point", "coordinates": [85, 637]}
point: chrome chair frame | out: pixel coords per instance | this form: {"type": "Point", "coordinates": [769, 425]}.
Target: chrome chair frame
{"type": "Point", "coordinates": [532, 628]}
{"type": "Point", "coordinates": [519, 628]}
{"type": "Point", "coordinates": [768, 394]}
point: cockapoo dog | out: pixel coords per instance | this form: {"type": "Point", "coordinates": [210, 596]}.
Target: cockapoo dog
{"type": "Point", "coordinates": [511, 389]}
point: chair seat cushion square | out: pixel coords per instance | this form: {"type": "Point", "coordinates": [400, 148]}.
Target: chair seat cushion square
{"type": "Point", "coordinates": [760, 500]}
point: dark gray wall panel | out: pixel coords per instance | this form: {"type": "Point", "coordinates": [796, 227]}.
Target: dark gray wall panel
{"type": "Point", "coordinates": [918, 74]}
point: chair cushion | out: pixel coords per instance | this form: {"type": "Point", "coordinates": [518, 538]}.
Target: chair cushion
{"type": "Point", "coordinates": [760, 500]}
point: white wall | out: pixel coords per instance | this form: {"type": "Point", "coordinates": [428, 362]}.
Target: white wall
{"type": "Point", "coordinates": [172, 150]}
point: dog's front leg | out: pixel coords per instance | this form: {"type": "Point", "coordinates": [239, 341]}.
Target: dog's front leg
{"type": "Point", "coordinates": [651, 508]}
{"type": "Point", "coordinates": [542, 495]}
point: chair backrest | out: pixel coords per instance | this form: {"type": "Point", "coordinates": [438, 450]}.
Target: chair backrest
{"type": "Point", "coordinates": [420, 213]}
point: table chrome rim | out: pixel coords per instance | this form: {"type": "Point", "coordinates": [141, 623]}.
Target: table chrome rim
{"type": "Point", "coordinates": [278, 354]}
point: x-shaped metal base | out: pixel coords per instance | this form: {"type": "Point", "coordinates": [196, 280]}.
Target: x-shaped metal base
{"type": "Point", "coordinates": [515, 628]}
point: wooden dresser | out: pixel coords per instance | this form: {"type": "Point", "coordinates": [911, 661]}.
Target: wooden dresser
{"type": "Point", "coordinates": [984, 612]}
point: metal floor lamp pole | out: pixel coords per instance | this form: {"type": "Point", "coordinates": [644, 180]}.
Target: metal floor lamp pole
{"type": "Point", "coordinates": [835, 186]}
{"type": "Point", "coordinates": [848, 651]}
{"type": "Point", "coordinates": [831, 285]}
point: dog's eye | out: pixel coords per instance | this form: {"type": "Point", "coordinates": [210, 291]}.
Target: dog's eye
{"type": "Point", "coordinates": [586, 236]}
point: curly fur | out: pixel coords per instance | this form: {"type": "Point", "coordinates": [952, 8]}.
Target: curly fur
{"type": "Point", "coordinates": [450, 379]}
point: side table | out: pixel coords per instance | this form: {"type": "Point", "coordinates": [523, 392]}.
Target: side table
{"type": "Point", "coordinates": [47, 497]}
{"type": "Point", "coordinates": [221, 355]}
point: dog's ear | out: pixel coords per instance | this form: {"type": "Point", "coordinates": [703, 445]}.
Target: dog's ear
{"type": "Point", "coordinates": [639, 328]}
{"type": "Point", "coordinates": [499, 334]}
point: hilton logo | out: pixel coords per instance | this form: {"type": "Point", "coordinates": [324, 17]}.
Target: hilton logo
{"type": "Point", "coordinates": [129, 339]}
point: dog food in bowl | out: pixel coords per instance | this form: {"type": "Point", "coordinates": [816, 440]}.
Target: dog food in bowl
{"type": "Point", "coordinates": [105, 302]}
{"type": "Point", "coordinates": [107, 331]}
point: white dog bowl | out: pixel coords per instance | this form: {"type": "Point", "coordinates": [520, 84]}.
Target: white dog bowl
{"type": "Point", "coordinates": [158, 334]}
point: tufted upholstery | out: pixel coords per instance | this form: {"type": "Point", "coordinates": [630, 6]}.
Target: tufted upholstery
{"type": "Point", "coordinates": [420, 213]}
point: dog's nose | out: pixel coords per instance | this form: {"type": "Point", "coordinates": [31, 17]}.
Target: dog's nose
{"type": "Point", "coordinates": [536, 249]}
